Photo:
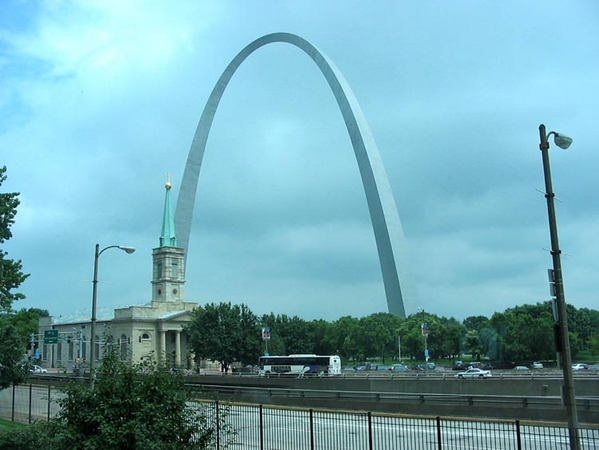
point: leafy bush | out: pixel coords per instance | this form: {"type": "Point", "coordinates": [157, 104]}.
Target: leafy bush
{"type": "Point", "coordinates": [133, 407]}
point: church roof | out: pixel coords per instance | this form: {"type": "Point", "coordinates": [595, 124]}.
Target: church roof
{"type": "Point", "coordinates": [84, 315]}
{"type": "Point", "coordinates": [168, 237]}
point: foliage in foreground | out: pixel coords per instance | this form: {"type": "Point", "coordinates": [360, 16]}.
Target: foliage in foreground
{"type": "Point", "coordinates": [132, 407]}
{"type": "Point", "coordinates": [11, 274]}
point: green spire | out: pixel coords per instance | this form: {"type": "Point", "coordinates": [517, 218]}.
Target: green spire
{"type": "Point", "coordinates": [168, 237]}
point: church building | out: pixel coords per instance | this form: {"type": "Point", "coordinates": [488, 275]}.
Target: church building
{"type": "Point", "coordinates": [155, 329]}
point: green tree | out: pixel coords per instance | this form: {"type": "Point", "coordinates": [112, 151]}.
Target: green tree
{"type": "Point", "coordinates": [342, 337]}
{"type": "Point", "coordinates": [475, 322]}
{"type": "Point", "coordinates": [320, 331]}
{"type": "Point", "coordinates": [11, 275]}
{"type": "Point", "coordinates": [226, 333]}
{"type": "Point", "coordinates": [129, 411]}
{"type": "Point", "coordinates": [15, 338]}
{"type": "Point", "coordinates": [13, 364]}
{"type": "Point", "coordinates": [291, 335]}
{"type": "Point", "coordinates": [473, 344]}
{"type": "Point", "coordinates": [526, 332]}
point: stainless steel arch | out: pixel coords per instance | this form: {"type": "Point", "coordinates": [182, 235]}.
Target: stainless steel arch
{"type": "Point", "coordinates": [387, 227]}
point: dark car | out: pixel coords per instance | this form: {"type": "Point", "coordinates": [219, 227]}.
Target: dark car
{"type": "Point", "coordinates": [458, 365]}
{"type": "Point", "coordinates": [398, 368]}
{"type": "Point", "coordinates": [475, 365]}
{"type": "Point", "coordinates": [487, 366]}
{"type": "Point", "coordinates": [427, 366]}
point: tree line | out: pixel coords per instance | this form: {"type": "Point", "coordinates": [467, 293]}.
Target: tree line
{"type": "Point", "coordinates": [232, 333]}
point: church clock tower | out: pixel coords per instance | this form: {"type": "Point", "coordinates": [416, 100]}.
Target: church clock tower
{"type": "Point", "coordinates": [168, 280]}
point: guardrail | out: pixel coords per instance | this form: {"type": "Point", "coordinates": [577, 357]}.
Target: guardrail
{"type": "Point", "coordinates": [437, 373]}
{"type": "Point", "coordinates": [586, 403]}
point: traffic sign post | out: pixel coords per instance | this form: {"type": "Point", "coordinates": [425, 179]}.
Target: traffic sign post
{"type": "Point", "coordinates": [50, 337]}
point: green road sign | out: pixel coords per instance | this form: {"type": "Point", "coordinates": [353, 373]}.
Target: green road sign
{"type": "Point", "coordinates": [51, 337]}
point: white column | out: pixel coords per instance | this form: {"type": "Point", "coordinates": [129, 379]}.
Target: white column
{"type": "Point", "coordinates": [178, 348]}
{"type": "Point", "coordinates": [162, 355]}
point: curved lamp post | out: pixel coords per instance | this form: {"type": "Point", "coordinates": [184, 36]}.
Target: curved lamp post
{"type": "Point", "coordinates": [424, 330]}
{"type": "Point", "coordinates": [562, 337]}
{"type": "Point", "coordinates": [92, 352]}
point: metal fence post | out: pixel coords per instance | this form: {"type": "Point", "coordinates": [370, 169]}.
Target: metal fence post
{"type": "Point", "coordinates": [14, 393]}
{"type": "Point", "coordinates": [217, 426]}
{"type": "Point", "coordinates": [439, 446]}
{"type": "Point", "coordinates": [30, 400]}
{"type": "Point", "coordinates": [261, 429]}
{"type": "Point", "coordinates": [518, 436]}
{"type": "Point", "coordinates": [311, 429]}
{"type": "Point", "coordinates": [49, 401]}
{"type": "Point", "coordinates": [369, 430]}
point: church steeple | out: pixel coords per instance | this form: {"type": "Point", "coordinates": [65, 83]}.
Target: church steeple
{"type": "Point", "coordinates": [168, 278]}
{"type": "Point", "coordinates": [168, 237]}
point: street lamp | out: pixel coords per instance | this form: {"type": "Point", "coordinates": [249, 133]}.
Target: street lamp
{"type": "Point", "coordinates": [92, 352]}
{"type": "Point", "coordinates": [424, 330]}
{"type": "Point", "coordinates": [556, 280]}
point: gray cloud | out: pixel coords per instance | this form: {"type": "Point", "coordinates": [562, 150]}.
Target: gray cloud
{"type": "Point", "coordinates": [99, 102]}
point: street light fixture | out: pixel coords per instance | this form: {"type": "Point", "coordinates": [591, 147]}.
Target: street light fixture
{"type": "Point", "coordinates": [562, 337]}
{"type": "Point", "coordinates": [424, 330]}
{"type": "Point", "coordinates": [92, 352]}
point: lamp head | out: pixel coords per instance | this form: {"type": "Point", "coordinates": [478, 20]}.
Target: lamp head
{"type": "Point", "coordinates": [562, 141]}
{"type": "Point", "coordinates": [127, 249]}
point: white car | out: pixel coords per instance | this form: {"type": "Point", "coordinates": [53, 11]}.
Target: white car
{"type": "Point", "coordinates": [37, 369]}
{"type": "Point", "coordinates": [537, 365]}
{"type": "Point", "coordinates": [580, 366]}
{"type": "Point", "coordinates": [474, 373]}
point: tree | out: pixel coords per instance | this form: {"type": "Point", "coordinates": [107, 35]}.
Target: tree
{"type": "Point", "coordinates": [129, 411]}
{"type": "Point", "coordinates": [526, 333]}
{"type": "Point", "coordinates": [11, 275]}
{"type": "Point", "coordinates": [15, 331]}
{"type": "Point", "coordinates": [342, 337]}
{"type": "Point", "coordinates": [291, 335]}
{"type": "Point", "coordinates": [475, 322]}
{"type": "Point", "coordinates": [225, 333]}
{"type": "Point", "coordinates": [13, 364]}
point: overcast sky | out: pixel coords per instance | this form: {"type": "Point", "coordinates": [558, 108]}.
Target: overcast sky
{"type": "Point", "coordinates": [99, 100]}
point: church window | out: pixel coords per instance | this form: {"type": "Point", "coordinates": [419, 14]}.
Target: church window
{"type": "Point", "coordinates": [175, 270]}
{"type": "Point", "coordinates": [123, 347]}
{"type": "Point", "coordinates": [159, 270]}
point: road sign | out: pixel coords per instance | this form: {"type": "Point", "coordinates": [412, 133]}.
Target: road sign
{"type": "Point", "coordinates": [50, 337]}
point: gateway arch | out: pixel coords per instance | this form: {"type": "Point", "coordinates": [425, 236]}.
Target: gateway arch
{"type": "Point", "coordinates": [392, 250]}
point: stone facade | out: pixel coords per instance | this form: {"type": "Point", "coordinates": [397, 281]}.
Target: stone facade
{"type": "Point", "coordinates": [155, 329]}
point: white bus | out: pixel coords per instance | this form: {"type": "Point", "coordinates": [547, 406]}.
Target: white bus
{"type": "Point", "coordinates": [299, 365]}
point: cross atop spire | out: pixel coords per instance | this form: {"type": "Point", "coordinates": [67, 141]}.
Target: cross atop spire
{"type": "Point", "coordinates": [168, 237]}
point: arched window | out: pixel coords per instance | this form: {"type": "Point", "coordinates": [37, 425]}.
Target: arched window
{"type": "Point", "coordinates": [123, 347]}
{"type": "Point", "coordinates": [97, 347]}
{"type": "Point", "coordinates": [145, 336]}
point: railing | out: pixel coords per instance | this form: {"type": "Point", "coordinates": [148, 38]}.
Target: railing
{"type": "Point", "coordinates": [266, 427]}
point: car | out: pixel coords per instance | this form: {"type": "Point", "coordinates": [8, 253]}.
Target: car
{"type": "Point", "coordinates": [487, 366]}
{"type": "Point", "coordinates": [458, 365]}
{"type": "Point", "coordinates": [37, 369]}
{"type": "Point", "coordinates": [537, 365]}
{"type": "Point", "coordinates": [381, 367]}
{"type": "Point", "coordinates": [398, 368]}
{"type": "Point", "coordinates": [475, 365]}
{"type": "Point", "coordinates": [580, 366]}
{"type": "Point", "coordinates": [427, 366]}
{"type": "Point", "coordinates": [521, 368]}
{"type": "Point", "coordinates": [474, 373]}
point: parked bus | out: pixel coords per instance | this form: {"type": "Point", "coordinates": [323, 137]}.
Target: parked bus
{"type": "Point", "coordinates": [300, 365]}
